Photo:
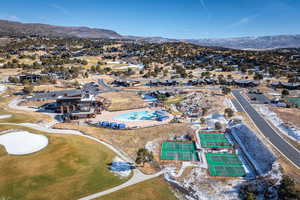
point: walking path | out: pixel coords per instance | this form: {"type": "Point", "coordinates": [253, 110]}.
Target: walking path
{"type": "Point", "coordinates": [137, 177]}
{"type": "Point", "coordinates": [14, 104]}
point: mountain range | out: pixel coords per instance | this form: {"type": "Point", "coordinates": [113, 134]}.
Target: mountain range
{"type": "Point", "coordinates": [258, 43]}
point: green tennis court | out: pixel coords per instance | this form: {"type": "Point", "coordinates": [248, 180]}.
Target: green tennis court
{"type": "Point", "coordinates": [214, 140]}
{"type": "Point", "coordinates": [225, 165]}
{"type": "Point", "coordinates": [234, 171]}
{"type": "Point", "coordinates": [188, 156]}
{"type": "Point", "coordinates": [176, 146]}
{"type": "Point", "coordinates": [179, 151]}
{"type": "Point", "coordinates": [224, 159]}
{"type": "Point", "coordinates": [295, 100]}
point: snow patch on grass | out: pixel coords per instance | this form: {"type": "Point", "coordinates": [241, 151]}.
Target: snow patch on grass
{"type": "Point", "coordinates": [259, 154]}
{"type": "Point", "coordinates": [292, 132]}
{"type": "Point", "coordinates": [152, 146]}
{"type": "Point", "coordinates": [228, 103]}
{"type": "Point", "coordinates": [213, 118]}
{"type": "Point", "coordinates": [198, 186]}
{"type": "Point", "coordinates": [4, 116]}
{"type": "Point", "coordinates": [2, 88]}
{"type": "Point", "coordinates": [122, 174]}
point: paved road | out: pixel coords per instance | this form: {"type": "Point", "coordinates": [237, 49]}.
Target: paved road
{"type": "Point", "coordinates": [137, 177]}
{"type": "Point", "coordinates": [288, 150]}
{"type": "Point", "coordinates": [237, 106]}
{"type": "Point", "coordinates": [107, 87]}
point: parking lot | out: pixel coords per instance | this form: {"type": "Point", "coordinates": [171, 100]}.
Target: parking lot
{"type": "Point", "coordinates": [258, 98]}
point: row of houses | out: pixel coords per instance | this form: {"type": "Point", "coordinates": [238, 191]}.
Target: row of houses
{"type": "Point", "coordinates": [125, 83]}
{"type": "Point", "coordinates": [33, 78]}
{"type": "Point", "coordinates": [163, 83]}
{"type": "Point", "coordinates": [286, 85]}
{"type": "Point", "coordinates": [205, 81]}
{"type": "Point", "coordinates": [236, 82]}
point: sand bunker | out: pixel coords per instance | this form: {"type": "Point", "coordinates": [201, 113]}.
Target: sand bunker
{"type": "Point", "coordinates": [23, 142]}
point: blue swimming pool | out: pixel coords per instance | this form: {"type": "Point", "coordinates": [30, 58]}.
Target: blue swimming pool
{"type": "Point", "coordinates": [142, 115]}
{"type": "Point", "coordinates": [148, 97]}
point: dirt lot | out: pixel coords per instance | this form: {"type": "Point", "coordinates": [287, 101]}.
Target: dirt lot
{"type": "Point", "coordinates": [123, 100]}
{"type": "Point", "coordinates": [9, 72]}
{"type": "Point", "coordinates": [288, 115]}
{"type": "Point", "coordinates": [129, 141]}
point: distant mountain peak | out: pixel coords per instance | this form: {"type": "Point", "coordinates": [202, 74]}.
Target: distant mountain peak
{"type": "Point", "coordinates": [253, 42]}
{"type": "Point", "coordinates": [10, 27]}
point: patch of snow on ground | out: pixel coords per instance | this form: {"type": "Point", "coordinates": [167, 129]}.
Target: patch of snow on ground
{"type": "Point", "coordinates": [228, 103]}
{"type": "Point", "coordinates": [122, 174]}
{"type": "Point", "coordinates": [212, 119]}
{"type": "Point", "coordinates": [2, 88]}
{"type": "Point", "coordinates": [151, 146]}
{"type": "Point", "coordinates": [275, 173]}
{"type": "Point", "coordinates": [23, 142]}
{"type": "Point", "coordinates": [4, 116]}
{"type": "Point", "coordinates": [197, 185]}
{"type": "Point", "coordinates": [260, 155]}
{"type": "Point", "coordinates": [131, 66]}
{"type": "Point", "coordinates": [293, 133]}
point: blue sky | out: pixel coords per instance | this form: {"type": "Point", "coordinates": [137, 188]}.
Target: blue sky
{"type": "Point", "coordinates": [167, 18]}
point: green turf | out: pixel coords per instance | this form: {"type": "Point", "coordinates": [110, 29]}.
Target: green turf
{"type": "Point", "coordinates": [295, 100]}
{"type": "Point", "coordinates": [214, 140]}
{"type": "Point", "coordinates": [225, 165]}
{"type": "Point", "coordinates": [179, 151]}
{"type": "Point", "coordinates": [178, 146]}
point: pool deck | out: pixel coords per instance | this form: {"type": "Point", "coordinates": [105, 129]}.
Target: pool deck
{"type": "Point", "coordinates": [109, 116]}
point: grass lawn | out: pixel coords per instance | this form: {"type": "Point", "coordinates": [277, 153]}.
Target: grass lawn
{"type": "Point", "coordinates": [68, 168]}
{"type": "Point", "coordinates": [173, 100]}
{"type": "Point", "coordinates": [153, 189]}
{"type": "Point", "coordinates": [18, 116]}
{"type": "Point", "coordinates": [129, 141]}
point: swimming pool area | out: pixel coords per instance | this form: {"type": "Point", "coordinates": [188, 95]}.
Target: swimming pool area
{"type": "Point", "coordinates": [149, 98]}
{"type": "Point", "coordinates": [158, 115]}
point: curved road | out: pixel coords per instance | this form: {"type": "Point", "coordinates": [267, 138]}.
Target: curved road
{"type": "Point", "coordinates": [284, 147]}
{"type": "Point", "coordinates": [137, 177]}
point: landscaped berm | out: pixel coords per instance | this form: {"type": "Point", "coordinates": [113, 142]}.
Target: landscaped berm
{"type": "Point", "coordinates": [70, 167]}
